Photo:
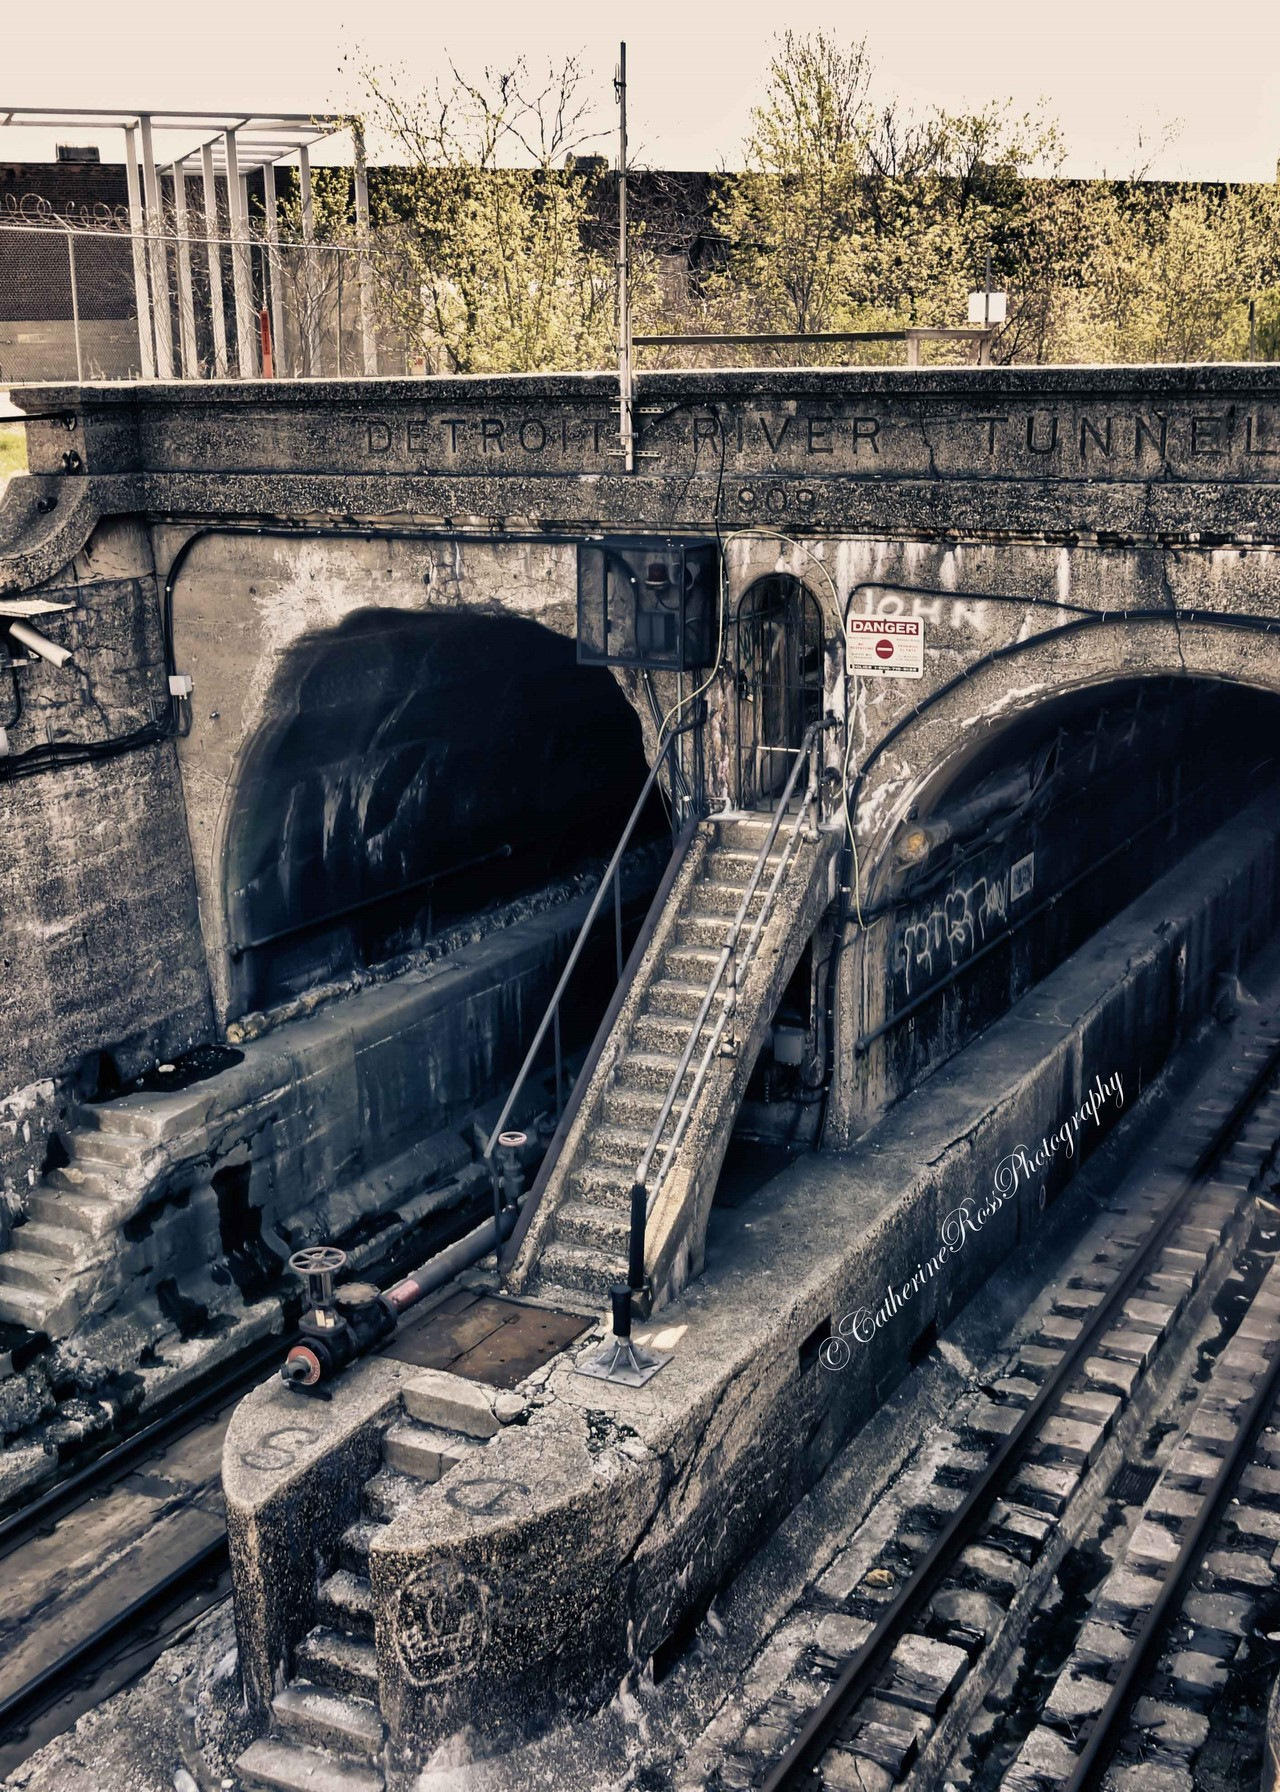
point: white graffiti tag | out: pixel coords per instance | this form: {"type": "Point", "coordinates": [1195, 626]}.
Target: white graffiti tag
{"type": "Point", "coordinates": [952, 931]}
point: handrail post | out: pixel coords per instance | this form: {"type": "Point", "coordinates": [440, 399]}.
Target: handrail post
{"type": "Point", "coordinates": [635, 1252]}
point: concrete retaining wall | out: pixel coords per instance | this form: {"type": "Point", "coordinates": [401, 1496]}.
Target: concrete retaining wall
{"type": "Point", "coordinates": [522, 1584]}
{"type": "Point", "coordinates": [331, 1127]}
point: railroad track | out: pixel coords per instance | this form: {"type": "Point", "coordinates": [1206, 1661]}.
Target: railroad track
{"type": "Point", "coordinates": [940, 1612]}
{"type": "Point", "coordinates": [108, 1566]}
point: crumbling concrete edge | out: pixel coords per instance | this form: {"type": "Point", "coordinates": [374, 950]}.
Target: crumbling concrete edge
{"type": "Point", "coordinates": [522, 1587]}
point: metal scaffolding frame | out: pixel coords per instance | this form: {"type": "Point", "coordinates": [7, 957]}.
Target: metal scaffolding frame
{"type": "Point", "coordinates": [208, 146]}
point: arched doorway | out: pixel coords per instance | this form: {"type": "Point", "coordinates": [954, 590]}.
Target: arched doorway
{"type": "Point", "coordinates": [779, 682]}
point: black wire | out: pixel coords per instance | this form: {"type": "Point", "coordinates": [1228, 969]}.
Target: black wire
{"type": "Point", "coordinates": [1247, 624]}
{"type": "Point", "coordinates": [16, 717]}
{"type": "Point", "coordinates": [59, 755]}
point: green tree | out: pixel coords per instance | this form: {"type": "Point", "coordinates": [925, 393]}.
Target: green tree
{"type": "Point", "coordinates": [481, 255]}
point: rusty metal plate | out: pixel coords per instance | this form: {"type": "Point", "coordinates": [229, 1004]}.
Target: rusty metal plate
{"type": "Point", "coordinates": [486, 1338]}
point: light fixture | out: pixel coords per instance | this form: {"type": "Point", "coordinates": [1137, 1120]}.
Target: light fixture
{"type": "Point", "coordinates": [913, 848]}
{"type": "Point", "coordinates": [32, 639]}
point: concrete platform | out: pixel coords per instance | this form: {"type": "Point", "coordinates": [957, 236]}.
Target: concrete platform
{"type": "Point", "coordinates": [589, 1529]}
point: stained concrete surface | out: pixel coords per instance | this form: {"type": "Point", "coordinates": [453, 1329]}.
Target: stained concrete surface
{"type": "Point", "coordinates": [187, 1711]}
{"type": "Point", "coordinates": [622, 1507]}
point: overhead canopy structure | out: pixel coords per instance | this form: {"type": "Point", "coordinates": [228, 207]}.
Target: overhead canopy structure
{"type": "Point", "coordinates": [261, 138]}
{"type": "Point", "coordinates": [211, 146]}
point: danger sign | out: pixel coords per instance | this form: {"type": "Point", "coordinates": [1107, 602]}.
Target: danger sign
{"type": "Point", "coordinates": [885, 647]}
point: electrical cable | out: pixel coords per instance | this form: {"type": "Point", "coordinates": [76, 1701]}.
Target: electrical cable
{"type": "Point", "coordinates": [1081, 623]}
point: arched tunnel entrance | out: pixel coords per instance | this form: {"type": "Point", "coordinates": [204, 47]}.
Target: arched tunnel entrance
{"type": "Point", "coordinates": [1017, 849]}
{"type": "Point", "coordinates": [1021, 846]}
{"type": "Point", "coordinates": [411, 770]}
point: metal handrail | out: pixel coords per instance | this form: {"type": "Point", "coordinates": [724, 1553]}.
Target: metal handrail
{"type": "Point", "coordinates": [642, 1198]}
{"type": "Point", "coordinates": [551, 1019]}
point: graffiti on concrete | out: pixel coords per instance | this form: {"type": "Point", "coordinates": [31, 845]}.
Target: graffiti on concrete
{"type": "Point", "coordinates": [952, 931]}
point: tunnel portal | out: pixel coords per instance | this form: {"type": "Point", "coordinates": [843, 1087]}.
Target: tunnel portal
{"type": "Point", "coordinates": [1023, 845]}
{"type": "Point", "coordinates": [411, 770]}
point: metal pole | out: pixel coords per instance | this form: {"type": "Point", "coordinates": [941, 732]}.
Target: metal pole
{"type": "Point", "coordinates": [559, 1065]}
{"type": "Point", "coordinates": [626, 396]}
{"type": "Point", "coordinates": [142, 297]}
{"type": "Point", "coordinates": [156, 254]}
{"type": "Point", "coordinates": [617, 919]}
{"type": "Point", "coordinates": [308, 322]}
{"type": "Point", "coordinates": [246, 317]}
{"type": "Point", "coordinates": [75, 303]}
{"type": "Point", "coordinates": [186, 303]}
{"type": "Point", "coordinates": [368, 341]}
{"type": "Point", "coordinates": [273, 266]}
{"type": "Point", "coordinates": [216, 313]}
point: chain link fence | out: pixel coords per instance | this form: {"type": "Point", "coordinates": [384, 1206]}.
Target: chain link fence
{"type": "Point", "coordinates": [99, 301]}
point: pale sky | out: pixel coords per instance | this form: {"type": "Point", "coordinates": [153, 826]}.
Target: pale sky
{"type": "Point", "coordinates": [1113, 72]}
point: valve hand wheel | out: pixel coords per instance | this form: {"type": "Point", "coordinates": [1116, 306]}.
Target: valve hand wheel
{"type": "Point", "coordinates": [317, 1260]}
{"type": "Point", "coordinates": [318, 1264]}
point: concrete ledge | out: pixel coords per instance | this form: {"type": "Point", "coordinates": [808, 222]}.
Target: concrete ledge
{"type": "Point", "coordinates": [434, 1397]}
{"type": "Point", "coordinates": [523, 1584]}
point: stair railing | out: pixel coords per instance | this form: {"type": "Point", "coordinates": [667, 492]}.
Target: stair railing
{"type": "Point", "coordinates": [498, 1155]}
{"type": "Point", "coordinates": [737, 964]}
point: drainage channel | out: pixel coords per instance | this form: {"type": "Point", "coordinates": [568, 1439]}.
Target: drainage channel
{"type": "Point", "coordinates": [894, 1686]}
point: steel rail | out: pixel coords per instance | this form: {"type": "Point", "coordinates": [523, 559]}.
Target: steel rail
{"type": "Point", "coordinates": [607, 881]}
{"type": "Point", "coordinates": [734, 929]}
{"type": "Point", "coordinates": [96, 1650]}
{"type": "Point", "coordinates": [1105, 1736]}
{"type": "Point", "coordinates": [741, 964]}
{"type": "Point", "coordinates": [859, 1677]}
{"type": "Point", "coordinates": [188, 1409]}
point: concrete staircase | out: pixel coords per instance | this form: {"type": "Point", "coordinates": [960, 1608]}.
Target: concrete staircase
{"type": "Point", "coordinates": [576, 1246]}
{"type": "Point", "coordinates": [327, 1733]}
{"type": "Point", "coordinates": [72, 1217]}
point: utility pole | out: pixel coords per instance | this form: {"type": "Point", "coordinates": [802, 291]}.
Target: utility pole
{"type": "Point", "coordinates": [625, 392]}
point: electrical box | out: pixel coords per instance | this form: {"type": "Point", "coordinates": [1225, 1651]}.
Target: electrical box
{"type": "Point", "coordinates": [648, 602]}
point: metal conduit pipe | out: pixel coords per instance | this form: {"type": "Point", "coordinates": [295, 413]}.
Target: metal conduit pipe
{"type": "Point", "coordinates": [350, 1320]}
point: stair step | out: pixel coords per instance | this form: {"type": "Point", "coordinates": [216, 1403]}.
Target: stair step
{"type": "Point", "coordinates": [583, 1269]}
{"type": "Point", "coordinates": [424, 1451]}
{"type": "Point", "coordinates": [603, 1184]}
{"type": "Point", "coordinates": [650, 1070]}
{"type": "Point", "coordinates": [711, 897]}
{"type": "Point", "coordinates": [20, 1306]}
{"type": "Point", "coordinates": [388, 1491]}
{"type": "Point", "coordinates": [690, 964]}
{"type": "Point", "coordinates": [77, 1181]}
{"type": "Point", "coordinates": [725, 865]}
{"type": "Point", "coordinates": [85, 1213]}
{"type": "Point", "coordinates": [620, 1145]}
{"type": "Point", "coordinates": [353, 1545]}
{"type": "Point", "coordinates": [137, 1122]}
{"type": "Point", "coordinates": [124, 1149]}
{"type": "Point", "coordinates": [695, 932]}
{"type": "Point", "coordinates": [275, 1764]}
{"type": "Point", "coordinates": [594, 1225]}
{"type": "Point", "coordinates": [42, 1275]}
{"type": "Point", "coordinates": [668, 1033]}
{"type": "Point", "coordinates": [330, 1719]}
{"type": "Point", "coordinates": [345, 1602]}
{"type": "Point", "coordinates": [61, 1243]}
{"type": "Point", "coordinates": [342, 1663]}
{"type": "Point", "coordinates": [635, 1109]}
{"type": "Point", "coordinates": [675, 997]}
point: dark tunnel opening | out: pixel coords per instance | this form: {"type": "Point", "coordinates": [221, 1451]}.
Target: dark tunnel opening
{"type": "Point", "coordinates": [1015, 855]}
{"type": "Point", "coordinates": [417, 769]}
